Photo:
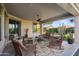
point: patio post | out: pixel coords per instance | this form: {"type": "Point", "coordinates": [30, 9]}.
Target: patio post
{"type": "Point", "coordinates": [2, 42]}
{"type": "Point", "coordinates": [77, 29]}
{"type": "Point", "coordinates": [6, 27]}
{"type": "Point", "coordinates": [2, 24]}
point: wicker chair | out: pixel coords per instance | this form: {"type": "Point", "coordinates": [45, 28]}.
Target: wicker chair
{"type": "Point", "coordinates": [55, 42]}
{"type": "Point", "coordinates": [21, 50]}
{"type": "Point", "coordinates": [17, 48]}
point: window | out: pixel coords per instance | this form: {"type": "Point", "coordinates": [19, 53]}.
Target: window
{"type": "Point", "coordinates": [14, 27]}
{"type": "Point", "coordinates": [36, 27]}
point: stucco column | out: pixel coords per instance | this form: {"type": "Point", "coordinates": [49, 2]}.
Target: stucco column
{"type": "Point", "coordinates": [2, 30]}
{"type": "Point", "coordinates": [2, 24]}
{"type": "Point", "coordinates": [6, 27]}
{"type": "Point", "coordinates": [77, 29]}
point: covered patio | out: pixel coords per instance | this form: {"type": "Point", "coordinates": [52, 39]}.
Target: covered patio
{"type": "Point", "coordinates": [16, 18]}
{"type": "Point", "coordinates": [45, 51]}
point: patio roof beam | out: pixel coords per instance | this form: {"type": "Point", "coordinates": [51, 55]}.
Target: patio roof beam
{"type": "Point", "coordinates": [70, 7]}
{"type": "Point", "coordinates": [57, 18]}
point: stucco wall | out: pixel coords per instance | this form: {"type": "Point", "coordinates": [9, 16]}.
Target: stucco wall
{"type": "Point", "coordinates": [28, 24]}
{"type": "Point", "coordinates": [24, 25]}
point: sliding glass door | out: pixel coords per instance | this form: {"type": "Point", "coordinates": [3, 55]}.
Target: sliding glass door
{"type": "Point", "coordinates": [14, 27]}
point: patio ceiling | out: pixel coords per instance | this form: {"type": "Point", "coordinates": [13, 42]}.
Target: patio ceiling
{"type": "Point", "coordinates": [30, 10]}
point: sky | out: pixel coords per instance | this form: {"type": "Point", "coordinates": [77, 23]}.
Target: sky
{"type": "Point", "coordinates": [65, 22]}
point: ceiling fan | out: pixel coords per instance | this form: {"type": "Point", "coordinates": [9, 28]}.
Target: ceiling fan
{"type": "Point", "coordinates": [38, 18]}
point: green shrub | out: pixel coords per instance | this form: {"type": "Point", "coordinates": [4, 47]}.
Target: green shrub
{"type": "Point", "coordinates": [53, 30]}
{"type": "Point", "coordinates": [68, 36]}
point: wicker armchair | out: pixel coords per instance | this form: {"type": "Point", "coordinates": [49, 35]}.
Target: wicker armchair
{"type": "Point", "coordinates": [21, 50]}
{"type": "Point", "coordinates": [55, 42]}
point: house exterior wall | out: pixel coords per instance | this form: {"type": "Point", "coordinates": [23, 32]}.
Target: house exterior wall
{"type": "Point", "coordinates": [28, 24]}
{"type": "Point", "coordinates": [24, 25]}
{"type": "Point", "coordinates": [5, 29]}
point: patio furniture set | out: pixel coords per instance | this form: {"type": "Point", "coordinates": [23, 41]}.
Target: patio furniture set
{"type": "Point", "coordinates": [28, 45]}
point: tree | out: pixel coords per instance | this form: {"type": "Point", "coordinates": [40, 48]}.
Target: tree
{"type": "Point", "coordinates": [69, 30]}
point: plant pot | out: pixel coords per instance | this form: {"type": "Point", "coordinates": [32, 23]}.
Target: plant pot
{"type": "Point", "coordinates": [70, 41]}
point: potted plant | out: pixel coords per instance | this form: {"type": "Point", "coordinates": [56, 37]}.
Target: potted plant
{"type": "Point", "coordinates": [70, 38]}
